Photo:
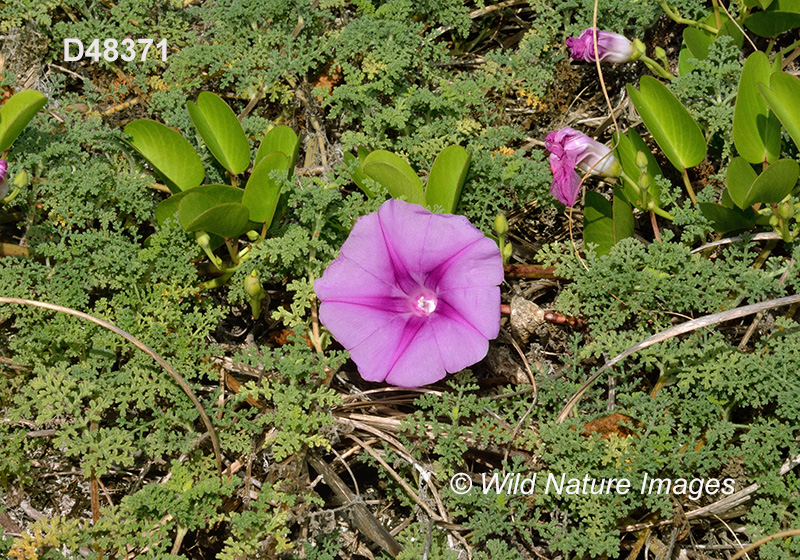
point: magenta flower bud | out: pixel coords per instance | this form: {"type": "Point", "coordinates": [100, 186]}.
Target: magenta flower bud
{"type": "Point", "coordinates": [3, 178]}
{"type": "Point", "coordinates": [611, 47]}
{"type": "Point", "coordinates": [569, 149]}
{"type": "Point", "coordinates": [413, 295]}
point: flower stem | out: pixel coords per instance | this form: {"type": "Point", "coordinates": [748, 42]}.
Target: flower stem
{"type": "Point", "coordinates": [654, 223]}
{"type": "Point", "coordinates": [663, 213]}
{"type": "Point", "coordinates": [646, 199]}
{"type": "Point", "coordinates": [674, 16]}
{"type": "Point", "coordinates": [656, 68]}
{"type": "Point", "coordinates": [717, 18]}
{"type": "Point", "coordinates": [689, 188]}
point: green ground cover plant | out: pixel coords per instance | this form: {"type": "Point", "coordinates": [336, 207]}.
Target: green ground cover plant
{"type": "Point", "coordinates": [124, 196]}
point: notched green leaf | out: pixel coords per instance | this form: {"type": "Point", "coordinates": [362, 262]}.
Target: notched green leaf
{"type": "Point", "coordinates": [446, 178]}
{"type": "Point", "coordinates": [16, 113]}
{"type": "Point", "coordinates": [168, 152]}
{"type": "Point", "coordinates": [219, 128]}
{"type": "Point", "coordinates": [672, 127]}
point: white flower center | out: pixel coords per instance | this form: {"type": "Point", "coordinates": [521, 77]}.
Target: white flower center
{"type": "Point", "coordinates": [424, 304]}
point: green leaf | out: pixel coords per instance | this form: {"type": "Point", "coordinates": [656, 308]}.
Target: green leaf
{"type": "Point", "coordinates": [219, 128]}
{"type": "Point", "coordinates": [696, 43]}
{"type": "Point", "coordinates": [604, 222]}
{"type": "Point", "coordinates": [763, 4]}
{"type": "Point", "coordinates": [756, 129]}
{"type": "Point", "coordinates": [215, 209]}
{"type": "Point", "coordinates": [168, 152]}
{"type": "Point", "coordinates": [17, 113]}
{"type": "Point", "coordinates": [740, 178]}
{"type": "Point", "coordinates": [628, 146]}
{"type": "Point", "coordinates": [725, 220]}
{"type": "Point", "coordinates": [774, 183]}
{"type": "Point", "coordinates": [782, 96]}
{"type": "Point", "coordinates": [672, 127]}
{"type": "Point", "coordinates": [279, 139]}
{"type": "Point", "coordinates": [216, 193]}
{"type": "Point", "coordinates": [395, 174]}
{"type": "Point", "coordinates": [446, 179]}
{"type": "Point", "coordinates": [226, 220]}
{"type": "Point", "coordinates": [780, 16]}
{"type": "Point", "coordinates": [262, 192]}
{"type": "Point", "coordinates": [772, 186]}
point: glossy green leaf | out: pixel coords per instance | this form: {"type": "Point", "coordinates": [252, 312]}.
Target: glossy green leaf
{"type": "Point", "coordinates": [217, 194]}
{"type": "Point", "coordinates": [763, 4]}
{"type": "Point", "coordinates": [782, 96]}
{"type": "Point", "coordinates": [672, 127]}
{"type": "Point", "coordinates": [226, 220]}
{"type": "Point", "coordinates": [168, 208]}
{"type": "Point", "coordinates": [740, 178]}
{"type": "Point", "coordinates": [16, 113]}
{"type": "Point", "coordinates": [756, 129]}
{"type": "Point", "coordinates": [774, 183]}
{"type": "Point", "coordinates": [604, 222]}
{"type": "Point", "coordinates": [446, 179]}
{"type": "Point", "coordinates": [262, 192]}
{"type": "Point", "coordinates": [696, 43]}
{"type": "Point", "coordinates": [780, 16]}
{"type": "Point", "coordinates": [628, 146]}
{"type": "Point", "coordinates": [725, 220]}
{"type": "Point", "coordinates": [219, 128]}
{"type": "Point", "coordinates": [215, 209]}
{"type": "Point", "coordinates": [395, 174]}
{"type": "Point", "coordinates": [168, 152]}
{"type": "Point", "coordinates": [279, 139]}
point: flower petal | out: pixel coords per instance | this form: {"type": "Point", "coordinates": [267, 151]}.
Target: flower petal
{"type": "Point", "coordinates": [440, 346]}
{"type": "Point", "coordinates": [611, 47]}
{"type": "Point", "coordinates": [370, 335]}
{"type": "Point", "coordinates": [478, 307]}
{"type": "Point", "coordinates": [344, 273]}
{"type": "Point", "coordinates": [366, 247]}
{"type": "Point", "coordinates": [378, 355]}
{"type": "Point", "coordinates": [478, 264]}
{"type": "Point", "coordinates": [566, 182]}
{"type": "Point", "coordinates": [423, 241]}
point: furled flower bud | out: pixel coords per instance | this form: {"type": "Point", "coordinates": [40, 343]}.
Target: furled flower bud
{"type": "Point", "coordinates": [611, 47]}
{"type": "Point", "coordinates": [786, 210]}
{"type": "Point", "coordinates": [3, 178]}
{"type": "Point", "coordinates": [21, 179]}
{"type": "Point", "coordinates": [641, 161]}
{"type": "Point", "coordinates": [500, 225]}
{"type": "Point", "coordinates": [203, 239]}
{"type": "Point", "coordinates": [255, 292]}
{"type": "Point", "coordinates": [570, 148]}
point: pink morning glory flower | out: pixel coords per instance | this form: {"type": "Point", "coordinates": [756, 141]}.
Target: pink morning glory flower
{"type": "Point", "coordinates": [413, 295]}
{"type": "Point", "coordinates": [611, 47]}
{"type": "Point", "coordinates": [570, 148]}
{"type": "Point", "coordinates": [3, 178]}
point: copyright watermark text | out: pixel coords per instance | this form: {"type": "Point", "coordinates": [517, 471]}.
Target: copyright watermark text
{"type": "Point", "coordinates": [550, 483]}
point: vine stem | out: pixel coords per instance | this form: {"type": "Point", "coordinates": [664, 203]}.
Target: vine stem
{"type": "Point", "coordinates": [144, 348]}
{"type": "Point", "coordinates": [673, 15]}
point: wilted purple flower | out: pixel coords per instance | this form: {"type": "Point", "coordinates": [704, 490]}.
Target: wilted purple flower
{"type": "Point", "coordinates": [570, 148]}
{"type": "Point", "coordinates": [3, 178]}
{"type": "Point", "coordinates": [413, 295]}
{"type": "Point", "coordinates": [611, 47]}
